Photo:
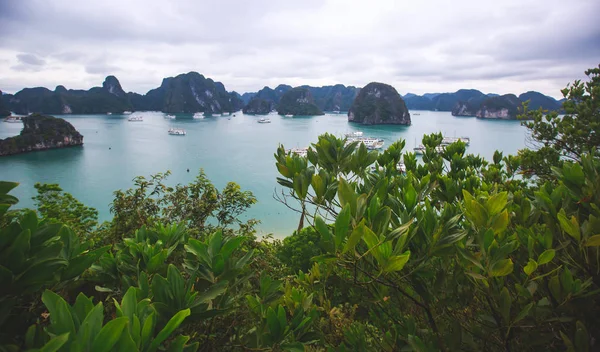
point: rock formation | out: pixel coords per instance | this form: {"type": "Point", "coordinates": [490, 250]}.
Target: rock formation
{"type": "Point", "coordinates": [41, 132]}
{"type": "Point", "coordinates": [4, 110]}
{"type": "Point", "coordinates": [502, 107]}
{"type": "Point", "coordinates": [379, 103]}
{"type": "Point", "coordinates": [298, 101]}
{"type": "Point", "coordinates": [258, 106]}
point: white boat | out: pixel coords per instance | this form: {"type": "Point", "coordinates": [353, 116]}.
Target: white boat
{"type": "Point", "coordinates": [420, 150]}
{"type": "Point", "coordinates": [401, 167]}
{"type": "Point", "coordinates": [369, 142]}
{"type": "Point", "coordinates": [336, 111]}
{"type": "Point", "coordinates": [450, 140]}
{"type": "Point", "coordinates": [177, 131]}
{"type": "Point", "coordinates": [301, 152]}
{"type": "Point", "coordinates": [170, 117]}
{"type": "Point", "coordinates": [264, 120]}
{"type": "Point", "coordinates": [109, 113]}
{"type": "Point", "coordinates": [12, 119]}
{"type": "Point", "coordinates": [288, 115]}
{"type": "Point", "coordinates": [126, 112]}
{"type": "Point", "coordinates": [199, 115]}
{"type": "Point", "coordinates": [354, 134]}
{"type": "Point", "coordinates": [136, 118]}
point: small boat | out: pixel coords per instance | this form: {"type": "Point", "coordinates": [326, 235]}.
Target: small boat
{"type": "Point", "coordinates": [12, 119]}
{"type": "Point", "coordinates": [109, 113]}
{"type": "Point", "coordinates": [199, 115]}
{"type": "Point", "coordinates": [416, 114]}
{"type": "Point", "coordinates": [301, 152]}
{"type": "Point", "coordinates": [170, 117]}
{"type": "Point", "coordinates": [126, 112]}
{"type": "Point", "coordinates": [177, 131]}
{"type": "Point", "coordinates": [288, 115]}
{"type": "Point", "coordinates": [354, 134]}
{"type": "Point", "coordinates": [450, 140]}
{"type": "Point", "coordinates": [336, 111]}
{"type": "Point", "coordinates": [264, 120]}
{"type": "Point", "coordinates": [401, 167]}
{"type": "Point", "coordinates": [136, 118]}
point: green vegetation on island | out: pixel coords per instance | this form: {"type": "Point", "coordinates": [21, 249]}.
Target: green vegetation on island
{"type": "Point", "coordinates": [379, 103]}
{"type": "Point", "coordinates": [298, 101]}
{"type": "Point", "coordinates": [457, 254]}
{"type": "Point", "coordinates": [41, 132]}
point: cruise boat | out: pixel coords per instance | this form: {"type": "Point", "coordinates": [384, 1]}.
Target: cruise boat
{"type": "Point", "coordinates": [109, 113]}
{"type": "Point", "coordinates": [369, 142]}
{"type": "Point", "coordinates": [264, 120]}
{"type": "Point", "coordinates": [12, 119]}
{"type": "Point", "coordinates": [170, 117]}
{"type": "Point", "coordinates": [177, 131]}
{"type": "Point", "coordinates": [301, 152]}
{"type": "Point", "coordinates": [135, 118]}
{"type": "Point", "coordinates": [126, 112]}
{"type": "Point", "coordinates": [336, 111]}
{"type": "Point", "coordinates": [354, 134]}
{"type": "Point", "coordinates": [401, 167]}
{"type": "Point", "coordinates": [420, 150]}
{"type": "Point", "coordinates": [199, 115]}
{"type": "Point", "coordinates": [450, 140]}
{"type": "Point", "coordinates": [288, 115]}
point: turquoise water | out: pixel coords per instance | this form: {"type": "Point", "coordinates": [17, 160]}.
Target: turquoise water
{"type": "Point", "coordinates": [235, 148]}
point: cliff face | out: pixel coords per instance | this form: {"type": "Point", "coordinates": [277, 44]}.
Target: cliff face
{"type": "Point", "coordinates": [502, 107]}
{"type": "Point", "coordinates": [298, 101]}
{"type": "Point", "coordinates": [257, 106]}
{"type": "Point", "coordinates": [379, 103]}
{"type": "Point", "coordinates": [41, 132]}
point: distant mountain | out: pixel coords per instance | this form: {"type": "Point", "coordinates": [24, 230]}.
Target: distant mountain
{"type": "Point", "coordinates": [327, 98]}
{"type": "Point", "coordinates": [186, 93]}
{"type": "Point", "coordinates": [4, 110]}
{"type": "Point", "coordinates": [298, 101]}
{"type": "Point", "coordinates": [379, 103]}
{"type": "Point", "coordinates": [108, 98]}
{"type": "Point", "coordinates": [417, 102]}
{"type": "Point", "coordinates": [246, 97]}
{"type": "Point", "coordinates": [538, 100]}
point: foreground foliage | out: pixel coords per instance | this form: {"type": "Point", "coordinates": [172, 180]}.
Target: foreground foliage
{"type": "Point", "coordinates": [457, 253]}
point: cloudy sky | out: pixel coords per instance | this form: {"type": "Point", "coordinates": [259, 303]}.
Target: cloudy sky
{"type": "Point", "coordinates": [420, 46]}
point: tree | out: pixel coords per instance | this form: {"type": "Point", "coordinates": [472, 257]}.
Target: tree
{"type": "Point", "coordinates": [558, 138]}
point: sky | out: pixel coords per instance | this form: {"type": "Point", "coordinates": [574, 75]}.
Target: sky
{"type": "Point", "coordinates": [418, 46]}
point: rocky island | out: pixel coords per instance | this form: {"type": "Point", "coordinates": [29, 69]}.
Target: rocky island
{"type": "Point", "coordinates": [502, 107]}
{"type": "Point", "coordinates": [379, 103]}
{"type": "Point", "coordinates": [298, 101]}
{"type": "Point", "coordinates": [257, 106]}
{"type": "Point", "coordinates": [41, 132]}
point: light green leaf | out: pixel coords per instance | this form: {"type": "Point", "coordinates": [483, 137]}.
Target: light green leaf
{"type": "Point", "coordinates": [523, 313]}
{"type": "Point", "coordinates": [342, 223]}
{"type": "Point", "coordinates": [546, 256]}
{"type": "Point", "coordinates": [530, 267]}
{"type": "Point", "coordinates": [501, 268]}
{"type": "Point", "coordinates": [505, 303]}
{"type": "Point", "coordinates": [397, 262]}
{"type": "Point", "coordinates": [593, 241]}
{"type": "Point", "coordinates": [56, 343]}
{"type": "Point", "coordinates": [355, 237]}
{"type": "Point", "coordinates": [496, 203]}
{"type": "Point", "coordinates": [570, 226]}
{"type": "Point", "coordinates": [173, 324]}
{"type": "Point", "coordinates": [500, 222]}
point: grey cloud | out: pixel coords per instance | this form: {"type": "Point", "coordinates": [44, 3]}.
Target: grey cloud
{"type": "Point", "coordinates": [30, 59]}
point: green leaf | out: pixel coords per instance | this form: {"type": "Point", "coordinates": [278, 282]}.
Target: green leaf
{"type": "Point", "coordinates": [505, 303]}
{"type": "Point", "coordinates": [178, 343]}
{"type": "Point", "coordinates": [273, 324]}
{"type": "Point", "coordinates": [355, 237]}
{"type": "Point", "coordinates": [593, 241]}
{"type": "Point", "coordinates": [147, 330]}
{"type": "Point", "coordinates": [173, 324]}
{"type": "Point", "coordinates": [125, 343]}
{"type": "Point", "coordinates": [342, 224]}
{"type": "Point", "coordinates": [530, 267]}
{"type": "Point", "coordinates": [345, 193]}
{"type": "Point", "coordinates": [410, 197]}
{"type": "Point", "coordinates": [60, 315]}
{"type": "Point", "coordinates": [500, 222]}
{"type": "Point", "coordinates": [55, 343]}
{"type": "Point", "coordinates": [570, 226]}
{"type": "Point", "coordinates": [582, 338]}
{"type": "Point", "coordinates": [293, 347]}
{"type": "Point", "coordinates": [397, 262]}
{"type": "Point", "coordinates": [230, 246]}
{"type": "Point", "coordinates": [326, 236]}
{"type": "Point", "coordinates": [496, 203]}
{"type": "Point", "coordinates": [109, 335]}
{"type": "Point", "coordinates": [523, 313]}
{"type": "Point", "coordinates": [546, 256]}
{"type": "Point", "coordinates": [90, 326]}
{"type": "Point", "coordinates": [501, 268]}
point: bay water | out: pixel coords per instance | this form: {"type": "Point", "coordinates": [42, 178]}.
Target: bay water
{"type": "Point", "coordinates": [229, 148]}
